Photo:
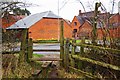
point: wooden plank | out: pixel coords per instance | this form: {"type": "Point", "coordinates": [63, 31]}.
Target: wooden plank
{"type": "Point", "coordinates": [10, 52]}
{"type": "Point", "coordinates": [45, 59]}
{"type": "Point", "coordinates": [97, 62]}
{"type": "Point", "coordinates": [45, 50]}
{"type": "Point", "coordinates": [44, 68]}
{"type": "Point", "coordinates": [46, 64]}
{"type": "Point", "coordinates": [98, 47]}
{"type": "Point", "coordinates": [36, 72]}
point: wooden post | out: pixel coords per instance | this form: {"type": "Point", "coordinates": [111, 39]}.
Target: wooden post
{"type": "Point", "coordinates": [30, 48]}
{"type": "Point", "coordinates": [94, 31]}
{"type": "Point", "coordinates": [81, 52]}
{"type": "Point", "coordinates": [62, 43]}
{"type": "Point", "coordinates": [72, 53]}
{"type": "Point", "coordinates": [81, 47]}
{"type": "Point", "coordinates": [66, 55]}
{"type": "Point", "coordinates": [22, 56]}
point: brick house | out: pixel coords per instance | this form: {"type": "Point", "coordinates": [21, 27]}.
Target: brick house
{"type": "Point", "coordinates": [85, 30]}
{"type": "Point", "coordinates": [75, 26]}
{"type": "Point", "coordinates": [77, 22]}
{"type": "Point", "coordinates": [83, 24]}
{"type": "Point", "coordinates": [115, 26]}
{"type": "Point", "coordinates": [43, 26]}
{"type": "Point", "coordinates": [9, 19]}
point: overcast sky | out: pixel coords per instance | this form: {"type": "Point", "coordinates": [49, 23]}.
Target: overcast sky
{"type": "Point", "coordinates": [68, 8]}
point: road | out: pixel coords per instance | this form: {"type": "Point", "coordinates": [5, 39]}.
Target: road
{"type": "Point", "coordinates": [53, 46]}
{"type": "Point", "coordinates": [47, 46]}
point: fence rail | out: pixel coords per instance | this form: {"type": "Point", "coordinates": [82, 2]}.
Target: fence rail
{"type": "Point", "coordinates": [98, 47]}
{"type": "Point", "coordinates": [83, 72]}
{"type": "Point", "coordinates": [10, 52]}
{"type": "Point", "coordinates": [77, 58]}
{"type": "Point", "coordinates": [46, 50]}
{"type": "Point", "coordinates": [96, 62]}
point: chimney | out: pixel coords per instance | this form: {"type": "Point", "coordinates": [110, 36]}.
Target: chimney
{"type": "Point", "coordinates": [79, 12]}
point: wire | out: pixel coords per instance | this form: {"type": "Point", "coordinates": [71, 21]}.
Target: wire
{"type": "Point", "coordinates": [64, 4]}
{"type": "Point", "coordinates": [82, 5]}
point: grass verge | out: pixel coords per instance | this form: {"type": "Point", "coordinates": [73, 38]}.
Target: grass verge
{"type": "Point", "coordinates": [37, 55]}
{"type": "Point", "coordinates": [46, 41]}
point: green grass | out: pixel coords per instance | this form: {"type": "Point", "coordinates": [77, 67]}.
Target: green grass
{"type": "Point", "coordinates": [78, 41]}
{"type": "Point", "coordinates": [37, 55]}
{"type": "Point", "coordinates": [46, 41]}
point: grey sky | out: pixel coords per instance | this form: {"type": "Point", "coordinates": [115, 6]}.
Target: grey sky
{"type": "Point", "coordinates": [69, 8]}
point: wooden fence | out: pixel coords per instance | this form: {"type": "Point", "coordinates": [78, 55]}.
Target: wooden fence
{"type": "Point", "coordinates": [74, 61]}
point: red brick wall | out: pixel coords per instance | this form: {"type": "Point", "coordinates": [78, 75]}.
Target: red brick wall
{"type": "Point", "coordinates": [112, 33]}
{"type": "Point", "coordinates": [78, 24]}
{"type": "Point", "coordinates": [115, 21]}
{"type": "Point", "coordinates": [85, 29]}
{"type": "Point", "coordinates": [115, 18]}
{"type": "Point", "coordinates": [100, 33]}
{"type": "Point", "coordinates": [10, 19]}
{"type": "Point", "coordinates": [67, 30]}
{"type": "Point", "coordinates": [115, 33]}
{"type": "Point", "coordinates": [47, 28]}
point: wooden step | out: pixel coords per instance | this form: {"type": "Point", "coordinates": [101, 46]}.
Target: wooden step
{"type": "Point", "coordinates": [46, 64]}
{"type": "Point", "coordinates": [44, 68]}
{"type": "Point", "coordinates": [36, 72]}
{"type": "Point", "coordinates": [45, 59]}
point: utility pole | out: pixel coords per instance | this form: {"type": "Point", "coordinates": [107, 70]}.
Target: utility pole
{"type": "Point", "coordinates": [58, 23]}
{"type": "Point", "coordinates": [113, 6]}
{"type": "Point", "coordinates": [94, 31]}
{"type": "Point", "coordinates": [119, 7]}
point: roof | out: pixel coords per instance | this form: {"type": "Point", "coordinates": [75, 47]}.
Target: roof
{"type": "Point", "coordinates": [67, 21]}
{"type": "Point", "coordinates": [28, 21]}
{"type": "Point", "coordinates": [88, 14]}
{"type": "Point", "coordinates": [82, 19]}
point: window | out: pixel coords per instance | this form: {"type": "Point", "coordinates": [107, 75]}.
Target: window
{"type": "Point", "coordinates": [100, 24]}
{"type": "Point", "coordinates": [75, 30]}
{"type": "Point", "coordinates": [75, 23]}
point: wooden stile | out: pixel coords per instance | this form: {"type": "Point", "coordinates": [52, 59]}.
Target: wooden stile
{"type": "Point", "coordinates": [62, 43]}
